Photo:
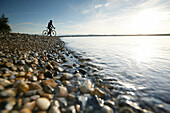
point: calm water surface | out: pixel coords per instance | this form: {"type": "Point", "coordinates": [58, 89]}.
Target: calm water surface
{"type": "Point", "coordinates": [140, 63]}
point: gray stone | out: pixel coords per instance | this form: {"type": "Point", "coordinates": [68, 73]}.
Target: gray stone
{"type": "Point", "coordinates": [62, 102]}
{"type": "Point", "coordinates": [59, 69]}
{"type": "Point", "coordinates": [48, 89]}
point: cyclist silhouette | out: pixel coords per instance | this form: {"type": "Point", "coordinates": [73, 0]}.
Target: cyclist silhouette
{"type": "Point", "coordinates": [50, 27]}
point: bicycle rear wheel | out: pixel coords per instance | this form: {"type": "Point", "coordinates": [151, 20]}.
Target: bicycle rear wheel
{"type": "Point", "coordinates": [53, 33]}
{"type": "Point", "coordinates": [45, 33]}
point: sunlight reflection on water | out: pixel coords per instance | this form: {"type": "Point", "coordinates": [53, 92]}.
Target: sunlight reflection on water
{"type": "Point", "coordinates": [140, 63]}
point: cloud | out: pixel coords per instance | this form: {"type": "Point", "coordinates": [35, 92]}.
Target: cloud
{"type": "Point", "coordinates": [98, 6]}
{"type": "Point", "coordinates": [86, 11]}
{"type": "Point", "coordinates": [118, 17]}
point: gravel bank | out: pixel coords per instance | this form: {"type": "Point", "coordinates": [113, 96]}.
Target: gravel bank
{"type": "Point", "coordinates": [39, 75]}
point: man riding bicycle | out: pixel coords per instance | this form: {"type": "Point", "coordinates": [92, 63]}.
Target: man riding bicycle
{"type": "Point", "coordinates": [50, 27]}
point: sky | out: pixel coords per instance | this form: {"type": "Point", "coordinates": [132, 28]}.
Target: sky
{"type": "Point", "coordinates": [88, 16]}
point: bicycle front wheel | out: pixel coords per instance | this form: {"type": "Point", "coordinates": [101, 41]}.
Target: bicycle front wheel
{"type": "Point", "coordinates": [45, 33]}
{"type": "Point", "coordinates": [53, 33]}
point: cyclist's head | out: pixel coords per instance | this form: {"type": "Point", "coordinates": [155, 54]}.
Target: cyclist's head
{"type": "Point", "coordinates": [51, 21]}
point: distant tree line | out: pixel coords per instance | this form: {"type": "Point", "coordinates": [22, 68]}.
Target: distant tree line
{"type": "Point", "coordinates": [4, 27]}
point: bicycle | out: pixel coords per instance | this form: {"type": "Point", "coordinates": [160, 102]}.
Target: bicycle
{"type": "Point", "coordinates": [46, 32]}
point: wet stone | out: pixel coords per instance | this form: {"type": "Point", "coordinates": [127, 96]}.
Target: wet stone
{"type": "Point", "coordinates": [48, 74]}
{"type": "Point", "coordinates": [66, 76]}
{"type": "Point", "coordinates": [62, 102]}
{"type": "Point", "coordinates": [110, 104]}
{"type": "Point", "coordinates": [106, 109]}
{"type": "Point", "coordinates": [61, 91]}
{"type": "Point", "coordinates": [98, 92]}
{"type": "Point", "coordinates": [83, 71]}
{"type": "Point", "coordinates": [86, 87]}
{"type": "Point", "coordinates": [48, 89]}
{"type": "Point", "coordinates": [59, 69]}
{"type": "Point", "coordinates": [49, 66]}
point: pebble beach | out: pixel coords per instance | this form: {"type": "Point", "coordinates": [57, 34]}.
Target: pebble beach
{"type": "Point", "coordinates": [38, 74]}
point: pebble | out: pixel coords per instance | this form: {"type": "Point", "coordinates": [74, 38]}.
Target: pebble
{"type": "Point", "coordinates": [54, 109]}
{"type": "Point", "coordinates": [34, 86]}
{"type": "Point", "coordinates": [49, 82]}
{"type": "Point", "coordinates": [25, 110]}
{"type": "Point", "coordinates": [4, 82]}
{"type": "Point", "coordinates": [34, 78]}
{"type": "Point", "coordinates": [110, 104]}
{"type": "Point", "coordinates": [98, 92]}
{"type": "Point", "coordinates": [22, 62]}
{"type": "Point", "coordinates": [71, 109]}
{"type": "Point", "coordinates": [49, 96]}
{"type": "Point", "coordinates": [7, 93]}
{"type": "Point", "coordinates": [48, 89]}
{"type": "Point", "coordinates": [66, 76]}
{"type": "Point", "coordinates": [9, 64]}
{"type": "Point", "coordinates": [43, 103]}
{"type": "Point", "coordinates": [61, 91]}
{"type": "Point", "coordinates": [35, 97]}
{"type": "Point", "coordinates": [86, 87]}
{"type": "Point", "coordinates": [59, 69]}
{"type": "Point", "coordinates": [48, 74]}
{"type": "Point", "coordinates": [106, 109]}
{"type": "Point", "coordinates": [30, 105]}
{"type": "Point", "coordinates": [21, 86]}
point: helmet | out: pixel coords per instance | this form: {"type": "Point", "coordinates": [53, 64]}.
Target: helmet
{"type": "Point", "coordinates": [50, 20]}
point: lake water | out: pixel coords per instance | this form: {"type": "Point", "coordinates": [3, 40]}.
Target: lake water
{"type": "Point", "coordinates": [141, 64]}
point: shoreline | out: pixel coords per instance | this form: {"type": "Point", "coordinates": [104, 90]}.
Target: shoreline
{"type": "Point", "coordinates": [38, 74]}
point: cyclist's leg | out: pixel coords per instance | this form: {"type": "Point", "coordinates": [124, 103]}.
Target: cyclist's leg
{"type": "Point", "coordinates": [50, 31]}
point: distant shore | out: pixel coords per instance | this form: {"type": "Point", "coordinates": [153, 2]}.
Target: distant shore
{"type": "Point", "coordinates": [96, 35]}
